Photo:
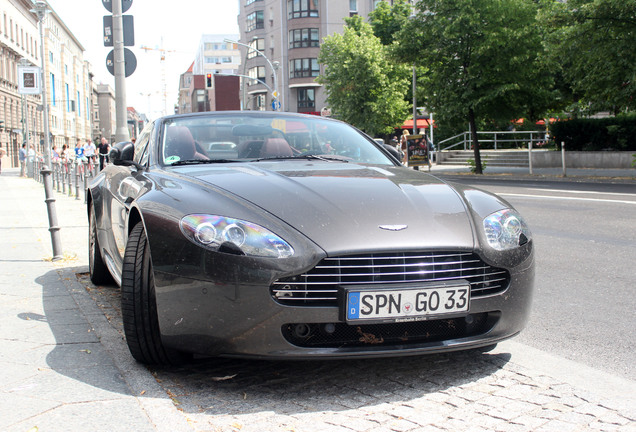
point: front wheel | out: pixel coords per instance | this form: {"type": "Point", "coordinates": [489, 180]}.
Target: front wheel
{"type": "Point", "coordinates": [139, 305]}
{"type": "Point", "coordinates": [98, 271]}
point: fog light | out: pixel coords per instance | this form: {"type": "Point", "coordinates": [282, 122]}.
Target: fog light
{"type": "Point", "coordinates": [302, 331]}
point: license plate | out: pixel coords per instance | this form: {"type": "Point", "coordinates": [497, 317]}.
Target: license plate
{"type": "Point", "coordinates": [409, 304]}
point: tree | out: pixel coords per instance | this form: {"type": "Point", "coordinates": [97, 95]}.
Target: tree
{"type": "Point", "coordinates": [364, 87]}
{"type": "Point", "coordinates": [482, 58]}
{"type": "Point", "coordinates": [594, 44]}
{"type": "Point", "coordinates": [387, 20]}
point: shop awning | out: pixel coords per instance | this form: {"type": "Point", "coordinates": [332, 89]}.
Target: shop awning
{"type": "Point", "coordinates": [422, 123]}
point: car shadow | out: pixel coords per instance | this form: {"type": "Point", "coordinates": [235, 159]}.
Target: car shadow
{"type": "Point", "coordinates": [238, 387]}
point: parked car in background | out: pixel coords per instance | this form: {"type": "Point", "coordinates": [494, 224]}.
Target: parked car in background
{"type": "Point", "coordinates": [277, 235]}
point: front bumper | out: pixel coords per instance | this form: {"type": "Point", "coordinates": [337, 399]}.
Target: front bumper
{"type": "Point", "coordinates": [238, 317]}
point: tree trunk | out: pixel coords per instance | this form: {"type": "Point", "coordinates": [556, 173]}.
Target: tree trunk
{"type": "Point", "coordinates": [473, 134]}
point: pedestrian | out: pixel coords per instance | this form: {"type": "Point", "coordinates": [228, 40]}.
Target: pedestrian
{"type": "Point", "coordinates": [23, 159]}
{"type": "Point", "coordinates": [89, 150]}
{"type": "Point", "coordinates": [31, 155]}
{"type": "Point", "coordinates": [2, 153]}
{"type": "Point", "coordinates": [103, 149]}
{"type": "Point", "coordinates": [404, 145]}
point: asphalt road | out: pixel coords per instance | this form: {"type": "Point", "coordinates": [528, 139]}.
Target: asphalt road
{"type": "Point", "coordinates": [585, 235]}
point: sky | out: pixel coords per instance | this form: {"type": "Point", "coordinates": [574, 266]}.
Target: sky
{"type": "Point", "coordinates": [175, 26]}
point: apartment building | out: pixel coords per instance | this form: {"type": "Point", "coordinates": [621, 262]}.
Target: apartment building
{"type": "Point", "coordinates": [66, 75]}
{"type": "Point", "coordinates": [68, 80]}
{"type": "Point", "coordinates": [289, 34]}
{"type": "Point", "coordinates": [19, 44]}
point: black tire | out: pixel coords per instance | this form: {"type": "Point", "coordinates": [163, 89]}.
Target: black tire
{"type": "Point", "coordinates": [98, 270]}
{"type": "Point", "coordinates": [139, 305]}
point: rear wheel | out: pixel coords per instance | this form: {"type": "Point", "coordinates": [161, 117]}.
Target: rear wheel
{"type": "Point", "coordinates": [139, 305]}
{"type": "Point", "coordinates": [98, 270]}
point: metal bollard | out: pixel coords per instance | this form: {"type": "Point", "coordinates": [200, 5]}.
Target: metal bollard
{"type": "Point", "coordinates": [58, 173]}
{"type": "Point", "coordinates": [77, 181]}
{"type": "Point", "coordinates": [86, 171]}
{"type": "Point", "coordinates": [70, 182]}
{"type": "Point", "coordinates": [63, 176]}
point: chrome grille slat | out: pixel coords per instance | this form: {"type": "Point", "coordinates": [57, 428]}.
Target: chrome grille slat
{"type": "Point", "coordinates": [317, 287]}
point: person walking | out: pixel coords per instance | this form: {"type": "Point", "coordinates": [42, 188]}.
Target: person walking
{"type": "Point", "coordinates": [23, 158]}
{"type": "Point", "coordinates": [103, 149]}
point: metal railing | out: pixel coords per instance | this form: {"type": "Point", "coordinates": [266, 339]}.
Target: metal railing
{"type": "Point", "coordinates": [494, 140]}
{"type": "Point", "coordinates": [68, 177]}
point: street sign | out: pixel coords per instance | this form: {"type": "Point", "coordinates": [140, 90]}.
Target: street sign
{"type": "Point", "coordinates": [29, 80]}
{"type": "Point", "coordinates": [275, 105]}
{"type": "Point", "coordinates": [129, 30]}
{"type": "Point", "coordinates": [125, 5]}
{"type": "Point", "coordinates": [130, 62]}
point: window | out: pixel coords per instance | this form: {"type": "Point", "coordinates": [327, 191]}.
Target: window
{"type": "Point", "coordinates": [79, 104]}
{"type": "Point", "coordinates": [249, 2]}
{"type": "Point", "coordinates": [300, 68]}
{"type": "Point", "coordinates": [261, 102]}
{"type": "Point", "coordinates": [306, 98]}
{"type": "Point", "coordinates": [302, 8]}
{"type": "Point", "coordinates": [304, 38]}
{"type": "Point", "coordinates": [256, 44]}
{"type": "Point", "coordinates": [353, 7]}
{"type": "Point", "coordinates": [53, 90]}
{"type": "Point", "coordinates": [257, 73]}
{"type": "Point", "coordinates": [68, 100]}
{"type": "Point", "coordinates": [255, 20]}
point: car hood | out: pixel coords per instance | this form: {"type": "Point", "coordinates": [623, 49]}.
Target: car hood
{"type": "Point", "coordinates": [348, 207]}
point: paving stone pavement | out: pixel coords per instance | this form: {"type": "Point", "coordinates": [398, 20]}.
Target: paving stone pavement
{"type": "Point", "coordinates": [64, 365]}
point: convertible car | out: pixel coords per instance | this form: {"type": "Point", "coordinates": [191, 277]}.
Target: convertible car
{"type": "Point", "coordinates": [278, 235]}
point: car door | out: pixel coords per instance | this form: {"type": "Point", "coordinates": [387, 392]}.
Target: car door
{"type": "Point", "coordinates": [127, 183]}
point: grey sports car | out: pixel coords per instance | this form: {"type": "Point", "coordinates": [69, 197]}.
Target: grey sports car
{"type": "Point", "coordinates": [277, 235]}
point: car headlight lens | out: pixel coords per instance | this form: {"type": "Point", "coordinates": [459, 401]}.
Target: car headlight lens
{"type": "Point", "coordinates": [213, 231]}
{"type": "Point", "coordinates": [505, 230]}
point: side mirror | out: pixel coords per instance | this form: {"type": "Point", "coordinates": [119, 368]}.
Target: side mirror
{"type": "Point", "coordinates": [122, 154]}
{"type": "Point", "coordinates": [393, 151]}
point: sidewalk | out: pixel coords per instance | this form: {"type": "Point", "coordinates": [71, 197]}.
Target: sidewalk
{"type": "Point", "coordinates": [57, 370]}
{"type": "Point", "coordinates": [65, 367]}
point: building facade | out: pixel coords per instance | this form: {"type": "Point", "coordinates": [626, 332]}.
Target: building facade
{"type": "Point", "coordinates": [68, 80]}
{"type": "Point", "coordinates": [20, 121]}
{"type": "Point", "coordinates": [289, 34]}
{"type": "Point", "coordinates": [215, 55]}
{"type": "Point", "coordinates": [106, 112]}
{"type": "Point", "coordinates": [66, 75]}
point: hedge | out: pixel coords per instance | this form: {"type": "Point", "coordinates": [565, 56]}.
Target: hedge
{"type": "Point", "coordinates": [611, 133]}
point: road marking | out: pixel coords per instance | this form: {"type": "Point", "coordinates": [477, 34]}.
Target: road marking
{"type": "Point", "coordinates": [584, 192]}
{"type": "Point", "coordinates": [567, 198]}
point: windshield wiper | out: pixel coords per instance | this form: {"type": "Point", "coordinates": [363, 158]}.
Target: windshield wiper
{"type": "Point", "coordinates": [325, 158]}
{"type": "Point", "coordinates": [202, 161]}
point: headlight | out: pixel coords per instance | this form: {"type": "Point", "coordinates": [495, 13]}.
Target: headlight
{"type": "Point", "coordinates": [505, 230]}
{"type": "Point", "coordinates": [212, 232]}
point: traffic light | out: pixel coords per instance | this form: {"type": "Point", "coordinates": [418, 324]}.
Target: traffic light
{"type": "Point", "coordinates": [208, 81]}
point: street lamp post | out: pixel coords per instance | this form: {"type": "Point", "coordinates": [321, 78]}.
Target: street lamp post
{"type": "Point", "coordinates": [275, 92]}
{"type": "Point", "coordinates": [40, 8]}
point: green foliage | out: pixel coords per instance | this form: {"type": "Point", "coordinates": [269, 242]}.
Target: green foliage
{"type": "Point", "coordinates": [387, 20]}
{"type": "Point", "coordinates": [593, 41]}
{"type": "Point", "coordinates": [364, 87]}
{"type": "Point", "coordinates": [612, 133]}
{"type": "Point", "coordinates": [482, 55]}
{"type": "Point", "coordinates": [473, 166]}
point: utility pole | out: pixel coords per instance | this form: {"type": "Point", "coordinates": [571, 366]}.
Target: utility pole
{"type": "Point", "coordinates": [121, 112]}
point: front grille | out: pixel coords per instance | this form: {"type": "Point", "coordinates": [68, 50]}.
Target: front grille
{"type": "Point", "coordinates": [341, 335]}
{"type": "Point", "coordinates": [320, 285]}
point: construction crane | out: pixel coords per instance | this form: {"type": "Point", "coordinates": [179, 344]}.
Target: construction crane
{"type": "Point", "coordinates": [162, 60]}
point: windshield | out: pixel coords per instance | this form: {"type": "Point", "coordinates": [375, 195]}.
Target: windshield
{"type": "Point", "coordinates": [263, 136]}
